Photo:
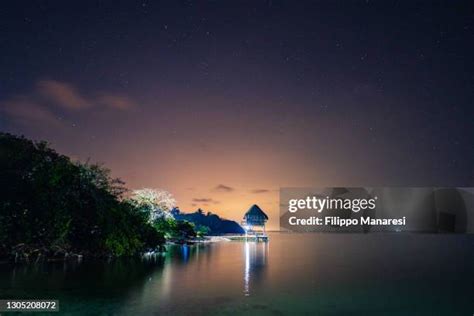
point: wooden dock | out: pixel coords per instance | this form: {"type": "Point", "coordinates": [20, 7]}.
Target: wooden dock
{"type": "Point", "coordinates": [254, 238]}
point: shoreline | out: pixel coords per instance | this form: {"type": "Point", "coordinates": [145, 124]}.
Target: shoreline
{"type": "Point", "coordinates": [32, 255]}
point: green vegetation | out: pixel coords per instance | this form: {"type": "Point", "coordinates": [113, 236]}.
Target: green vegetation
{"type": "Point", "coordinates": [157, 205]}
{"type": "Point", "coordinates": [51, 206]}
{"type": "Point", "coordinates": [201, 230]}
{"type": "Point", "coordinates": [175, 230]}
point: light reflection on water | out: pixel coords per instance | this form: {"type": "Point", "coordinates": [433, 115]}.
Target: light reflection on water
{"type": "Point", "coordinates": [255, 261]}
{"type": "Point", "coordinates": [325, 274]}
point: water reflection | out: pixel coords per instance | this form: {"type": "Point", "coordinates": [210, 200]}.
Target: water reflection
{"type": "Point", "coordinates": [313, 271]}
{"type": "Point", "coordinates": [185, 251]}
{"type": "Point", "coordinates": [256, 254]}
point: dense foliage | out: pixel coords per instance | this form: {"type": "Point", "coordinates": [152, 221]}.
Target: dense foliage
{"type": "Point", "coordinates": [157, 206]}
{"type": "Point", "coordinates": [49, 203]}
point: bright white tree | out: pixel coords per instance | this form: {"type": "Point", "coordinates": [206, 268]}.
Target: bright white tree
{"type": "Point", "coordinates": [158, 203]}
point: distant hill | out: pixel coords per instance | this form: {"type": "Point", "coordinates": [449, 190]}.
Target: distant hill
{"type": "Point", "coordinates": [217, 225]}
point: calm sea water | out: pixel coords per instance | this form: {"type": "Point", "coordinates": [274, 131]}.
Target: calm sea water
{"type": "Point", "coordinates": [293, 274]}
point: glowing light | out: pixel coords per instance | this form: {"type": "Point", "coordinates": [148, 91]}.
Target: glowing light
{"type": "Point", "coordinates": [247, 270]}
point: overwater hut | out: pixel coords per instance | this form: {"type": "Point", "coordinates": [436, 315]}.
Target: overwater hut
{"type": "Point", "coordinates": [255, 218]}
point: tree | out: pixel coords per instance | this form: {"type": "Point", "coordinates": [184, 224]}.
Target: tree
{"type": "Point", "coordinates": [183, 231]}
{"type": "Point", "coordinates": [201, 230]}
{"type": "Point", "coordinates": [166, 226]}
{"type": "Point", "coordinates": [156, 203]}
{"type": "Point", "coordinates": [48, 202]}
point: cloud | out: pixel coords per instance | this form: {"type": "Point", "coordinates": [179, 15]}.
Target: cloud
{"type": "Point", "coordinates": [116, 101]}
{"type": "Point", "coordinates": [63, 95]}
{"type": "Point", "coordinates": [27, 111]}
{"type": "Point", "coordinates": [35, 106]}
{"type": "Point", "coordinates": [202, 200]}
{"type": "Point", "coordinates": [223, 188]}
{"type": "Point", "coordinates": [258, 191]}
{"type": "Point", "coordinates": [205, 200]}
{"type": "Point", "coordinates": [38, 106]}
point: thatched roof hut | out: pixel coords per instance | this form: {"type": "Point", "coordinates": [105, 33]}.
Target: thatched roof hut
{"type": "Point", "coordinates": [255, 216]}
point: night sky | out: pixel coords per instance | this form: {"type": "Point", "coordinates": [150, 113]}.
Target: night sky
{"type": "Point", "coordinates": [222, 103]}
